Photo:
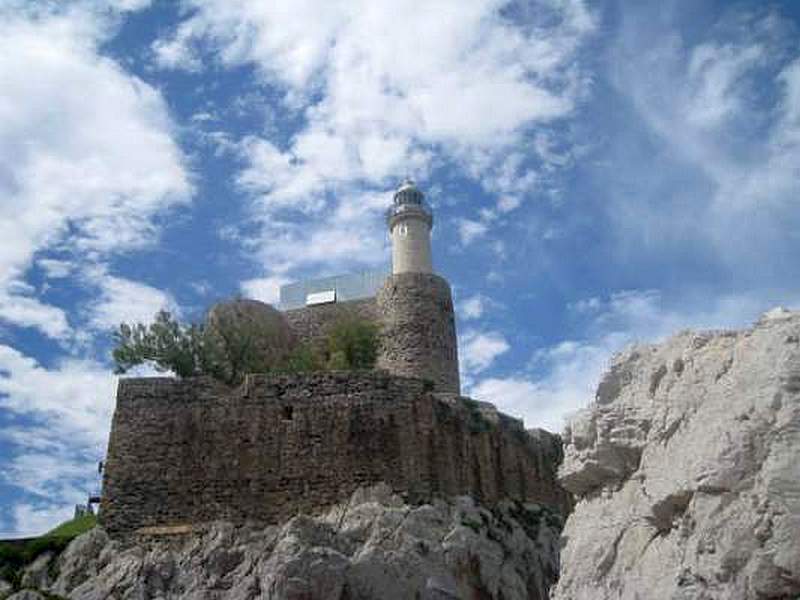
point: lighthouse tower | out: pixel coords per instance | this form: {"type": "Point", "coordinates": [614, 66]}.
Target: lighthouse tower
{"type": "Point", "coordinates": [418, 337]}
{"type": "Point", "coordinates": [410, 221]}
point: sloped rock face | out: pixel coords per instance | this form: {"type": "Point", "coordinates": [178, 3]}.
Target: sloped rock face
{"type": "Point", "coordinates": [687, 471]}
{"type": "Point", "coordinates": [373, 547]}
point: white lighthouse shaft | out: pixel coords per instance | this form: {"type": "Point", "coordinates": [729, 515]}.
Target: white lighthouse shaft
{"type": "Point", "coordinates": [410, 221]}
{"type": "Point", "coordinates": [411, 246]}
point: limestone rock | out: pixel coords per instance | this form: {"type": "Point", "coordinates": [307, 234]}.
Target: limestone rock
{"type": "Point", "coordinates": [26, 595]}
{"type": "Point", "coordinates": [37, 574]}
{"type": "Point", "coordinates": [373, 547]}
{"type": "Point", "coordinates": [687, 473]}
{"type": "Point", "coordinates": [81, 560]}
{"type": "Point", "coordinates": [5, 588]}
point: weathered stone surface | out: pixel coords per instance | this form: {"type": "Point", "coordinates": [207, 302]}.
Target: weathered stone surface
{"type": "Point", "coordinates": [5, 588]}
{"type": "Point", "coordinates": [192, 451]}
{"type": "Point", "coordinates": [374, 546]}
{"type": "Point", "coordinates": [312, 323]}
{"type": "Point", "coordinates": [687, 471]}
{"type": "Point", "coordinates": [418, 329]}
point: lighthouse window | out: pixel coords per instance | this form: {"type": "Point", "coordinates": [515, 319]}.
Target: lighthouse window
{"type": "Point", "coordinates": [403, 230]}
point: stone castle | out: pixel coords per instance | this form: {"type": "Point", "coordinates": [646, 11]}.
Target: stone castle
{"type": "Point", "coordinates": [186, 452]}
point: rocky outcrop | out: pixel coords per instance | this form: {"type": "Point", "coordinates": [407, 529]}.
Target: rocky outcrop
{"type": "Point", "coordinates": [687, 471]}
{"type": "Point", "coordinates": [372, 547]}
{"type": "Point", "coordinates": [5, 588]}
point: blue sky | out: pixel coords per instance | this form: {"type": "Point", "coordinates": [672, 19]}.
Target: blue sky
{"type": "Point", "coordinates": [601, 172]}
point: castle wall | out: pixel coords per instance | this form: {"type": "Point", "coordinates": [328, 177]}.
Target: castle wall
{"type": "Point", "coordinates": [190, 451]}
{"type": "Point", "coordinates": [418, 329]}
{"type": "Point", "coordinates": [310, 323]}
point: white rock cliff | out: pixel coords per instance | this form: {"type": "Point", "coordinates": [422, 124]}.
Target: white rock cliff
{"type": "Point", "coordinates": [687, 471]}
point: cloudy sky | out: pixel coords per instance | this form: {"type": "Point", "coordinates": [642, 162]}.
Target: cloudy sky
{"type": "Point", "coordinates": [602, 172]}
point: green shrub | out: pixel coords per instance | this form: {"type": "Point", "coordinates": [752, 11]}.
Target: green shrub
{"type": "Point", "coordinates": [229, 348]}
{"type": "Point", "coordinates": [226, 351]}
{"type": "Point", "coordinates": [167, 345]}
{"type": "Point", "coordinates": [303, 359]}
{"type": "Point", "coordinates": [352, 344]}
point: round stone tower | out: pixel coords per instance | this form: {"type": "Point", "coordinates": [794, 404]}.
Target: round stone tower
{"type": "Point", "coordinates": [418, 335]}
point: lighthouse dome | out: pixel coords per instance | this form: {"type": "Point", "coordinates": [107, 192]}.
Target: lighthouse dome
{"type": "Point", "coordinates": [408, 193]}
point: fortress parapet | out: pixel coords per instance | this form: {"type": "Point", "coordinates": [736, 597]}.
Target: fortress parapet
{"type": "Point", "coordinates": [185, 452]}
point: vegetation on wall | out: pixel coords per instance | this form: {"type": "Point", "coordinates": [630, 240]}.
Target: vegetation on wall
{"type": "Point", "coordinates": [166, 345]}
{"type": "Point", "coordinates": [228, 350]}
{"type": "Point", "coordinates": [349, 344]}
{"type": "Point", "coordinates": [352, 344]}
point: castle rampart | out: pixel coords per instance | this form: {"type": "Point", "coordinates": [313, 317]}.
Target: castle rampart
{"type": "Point", "coordinates": [184, 452]}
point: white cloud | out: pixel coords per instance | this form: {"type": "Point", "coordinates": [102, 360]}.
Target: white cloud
{"type": "Point", "coordinates": [55, 269]}
{"type": "Point", "coordinates": [517, 396]}
{"type": "Point", "coordinates": [337, 233]}
{"type": "Point", "coordinates": [265, 289]}
{"type": "Point", "coordinates": [507, 203]}
{"type": "Point", "coordinates": [55, 475]}
{"type": "Point", "coordinates": [60, 423]}
{"type": "Point", "coordinates": [562, 378]}
{"type": "Point", "coordinates": [74, 398]}
{"type": "Point", "coordinates": [478, 350]}
{"type": "Point", "coordinates": [28, 311]}
{"type": "Point", "coordinates": [125, 301]}
{"type": "Point", "coordinates": [472, 307]}
{"type": "Point", "coordinates": [35, 519]}
{"type": "Point", "coordinates": [469, 230]}
{"type": "Point", "coordinates": [85, 171]}
{"type": "Point", "coordinates": [725, 109]}
{"type": "Point", "coordinates": [467, 89]}
{"type": "Point", "coordinates": [176, 54]}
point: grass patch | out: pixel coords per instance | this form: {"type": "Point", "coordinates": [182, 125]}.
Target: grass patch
{"type": "Point", "coordinates": [73, 528]}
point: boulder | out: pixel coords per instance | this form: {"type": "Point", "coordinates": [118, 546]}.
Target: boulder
{"type": "Point", "coordinates": [254, 335]}
{"type": "Point", "coordinates": [686, 473]}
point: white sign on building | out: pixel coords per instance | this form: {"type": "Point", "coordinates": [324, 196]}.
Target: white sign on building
{"type": "Point", "coordinates": [325, 297]}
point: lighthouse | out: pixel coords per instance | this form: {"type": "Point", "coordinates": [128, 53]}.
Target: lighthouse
{"type": "Point", "coordinates": [415, 305]}
{"type": "Point", "coordinates": [410, 221]}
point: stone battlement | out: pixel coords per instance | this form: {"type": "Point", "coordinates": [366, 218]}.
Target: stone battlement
{"type": "Point", "coordinates": [192, 451]}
